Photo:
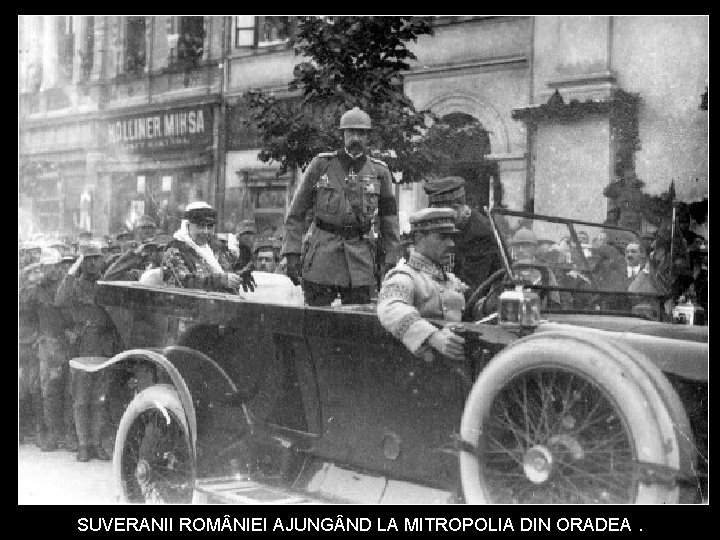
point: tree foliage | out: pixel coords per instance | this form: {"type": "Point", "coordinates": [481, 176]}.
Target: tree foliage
{"type": "Point", "coordinates": [349, 62]}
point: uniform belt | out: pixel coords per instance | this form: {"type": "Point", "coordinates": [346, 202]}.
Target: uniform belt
{"type": "Point", "coordinates": [346, 231]}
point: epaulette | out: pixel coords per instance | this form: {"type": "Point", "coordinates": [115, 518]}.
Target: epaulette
{"type": "Point", "coordinates": [327, 154]}
{"type": "Point", "coordinates": [380, 161]}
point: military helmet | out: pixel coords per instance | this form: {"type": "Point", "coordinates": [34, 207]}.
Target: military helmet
{"type": "Point", "coordinates": [355, 118]}
{"type": "Point", "coordinates": [524, 236]}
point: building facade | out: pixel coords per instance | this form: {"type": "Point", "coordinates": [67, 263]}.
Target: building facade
{"type": "Point", "coordinates": [121, 116]}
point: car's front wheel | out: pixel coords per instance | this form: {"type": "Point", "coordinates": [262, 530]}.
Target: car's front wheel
{"type": "Point", "coordinates": [562, 422]}
{"type": "Point", "coordinates": [153, 459]}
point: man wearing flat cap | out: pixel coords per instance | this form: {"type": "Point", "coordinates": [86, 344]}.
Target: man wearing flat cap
{"type": "Point", "coordinates": [420, 289]}
{"type": "Point", "coordinates": [341, 191]}
{"type": "Point", "coordinates": [135, 259]}
{"type": "Point", "coordinates": [192, 259]}
{"type": "Point", "coordinates": [476, 252]}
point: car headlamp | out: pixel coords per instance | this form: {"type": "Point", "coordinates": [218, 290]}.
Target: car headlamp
{"type": "Point", "coordinates": [519, 308]}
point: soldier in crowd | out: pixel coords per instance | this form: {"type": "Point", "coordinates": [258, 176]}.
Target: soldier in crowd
{"type": "Point", "coordinates": [93, 335]}
{"type": "Point", "coordinates": [29, 392]}
{"type": "Point", "coordinates": [421, 289]}
{"type": "Point", "coordinates": [245, 238]}
{"type": "Point", "coordinates": [341, 190]}
{"type": "Point", "coordinates": [265, 259]}
{"type": "Point", "coordinates": [54, 357]}
{"type": "Point", "coordinates": [193, 259]}
{"type": "Point", "coordinates": [476, 252]}
{"type": "Point", "coordinates": [131, 264]}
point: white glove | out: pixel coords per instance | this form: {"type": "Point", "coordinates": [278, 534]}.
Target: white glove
{"type": "Point", "coordinates": [447, 343]}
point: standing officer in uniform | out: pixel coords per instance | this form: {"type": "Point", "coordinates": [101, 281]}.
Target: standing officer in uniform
{"type": "Point", "coordinates": [476, 252]}
{"type": "Point", "coordinates": [95, 336]}
{"type": "Point", "coordinates": [341, 190]}
{"type": "Point", "coordinates": [421, 289]}
{"type": "Point", "coordinates": [130, 265]}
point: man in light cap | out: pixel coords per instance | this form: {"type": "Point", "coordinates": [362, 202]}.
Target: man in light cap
{"type": "Point", "coordinates": [420, 289]}
{"type": "Point", "coordinates": [135, 259]}
{"type": "Point", "coordinates": [341, 191]}
{"type": "Point", "coordinates": [476, 252]}
{"type": "Point", "coordinates": [192, 260]}
{"type": "Point", "coordinates": [93, 334]}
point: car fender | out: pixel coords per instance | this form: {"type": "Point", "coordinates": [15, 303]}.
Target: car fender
{"type": "Point", "coordinates": [684, 357]}
{"type": "Point", "coordinates": [645, 370]}
{"type": "Point", "coordinates": [96, 364]}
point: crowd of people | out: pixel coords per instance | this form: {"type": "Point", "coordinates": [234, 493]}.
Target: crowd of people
{"type": "Point", "coordinates": [59, 319]}
{"type": "Point", "coordinates": [341, 244]}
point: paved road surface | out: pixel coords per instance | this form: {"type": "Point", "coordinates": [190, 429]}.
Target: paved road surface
{"type": "Point", "coordinates": [57, 478]}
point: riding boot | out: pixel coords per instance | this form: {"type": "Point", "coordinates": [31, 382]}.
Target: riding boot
{"type": "Point", "coordinates": [70, 441]}
{"type": "Point", "coordinates": [96, 429]}
{"type": "Point", "coordinates": [82, 427]}
{"type": "Point", "coordinates": [52, 412]}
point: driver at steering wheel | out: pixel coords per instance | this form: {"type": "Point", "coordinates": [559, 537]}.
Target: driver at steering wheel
{"type": "Point", "coordinates": [527, 266]}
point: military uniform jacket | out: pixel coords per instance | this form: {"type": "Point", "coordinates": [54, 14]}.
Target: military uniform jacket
{"type": "Point", "coordinates": [413, 292]}
{"type": "Point", "coordinates": [476, 252]}
{"type": "Point", "coordinates": [342, 192]}
{"type": "Point", "coordinates": [96, 332]}
{"type": "Point", "coordinates": [128, 266]}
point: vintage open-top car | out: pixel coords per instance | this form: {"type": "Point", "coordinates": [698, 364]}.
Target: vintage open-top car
{"type": "Point", "coordinates": [572, 390]}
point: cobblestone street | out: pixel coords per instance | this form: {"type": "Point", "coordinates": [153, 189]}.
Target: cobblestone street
{"type": "Point", "coordinates": [57, 478]}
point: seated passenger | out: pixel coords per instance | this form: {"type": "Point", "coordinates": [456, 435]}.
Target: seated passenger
{"type": "Point", "coordinates": [191, 259]}
{"type": "Point", "coordinates": [421, 289]}
{"type": "Point", "coordinates": [639, 275]}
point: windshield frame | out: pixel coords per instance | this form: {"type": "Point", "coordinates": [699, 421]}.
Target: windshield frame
{"type": "Point", "coordinates": [570, 223]}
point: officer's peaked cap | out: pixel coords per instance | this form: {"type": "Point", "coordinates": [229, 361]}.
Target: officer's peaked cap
{"type": "Point", "coordinates": [445, 190]}
{"type": "Point", "coordinates": [434, 220]}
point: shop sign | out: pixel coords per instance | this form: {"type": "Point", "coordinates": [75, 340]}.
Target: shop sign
{"type": "Point", "coordinates": [162, 130]}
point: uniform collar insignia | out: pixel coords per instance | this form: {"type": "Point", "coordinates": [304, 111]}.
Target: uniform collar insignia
{"type": "Point", "coordinates": [423, 264]}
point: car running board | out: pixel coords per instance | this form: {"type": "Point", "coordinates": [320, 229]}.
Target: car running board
{"type": "Point", "coordinates": [233, 490]}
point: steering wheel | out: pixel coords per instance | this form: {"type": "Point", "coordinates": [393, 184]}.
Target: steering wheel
{"type": "Point", "coordinates": [482, 290]}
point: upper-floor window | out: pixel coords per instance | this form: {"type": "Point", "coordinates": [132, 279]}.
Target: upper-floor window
{"type": "Point", "coordinates": [186, 38]}
{"type": "Point", "coordinates": [265, 31]}
{"type": "Point", "coordinates": [66, 46]}
{"type": "Point", "coordinates": [135, 44]}
{"type": "Point", "coordinates": [87, 52]}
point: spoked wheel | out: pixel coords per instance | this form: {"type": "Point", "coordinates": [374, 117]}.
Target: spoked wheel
{"type": "Point", "coordinates": [553, 436]}
{"type": "Point", "coordinates": [153, 456]}
{"type": "Point", "coordinates": [556, 419]}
